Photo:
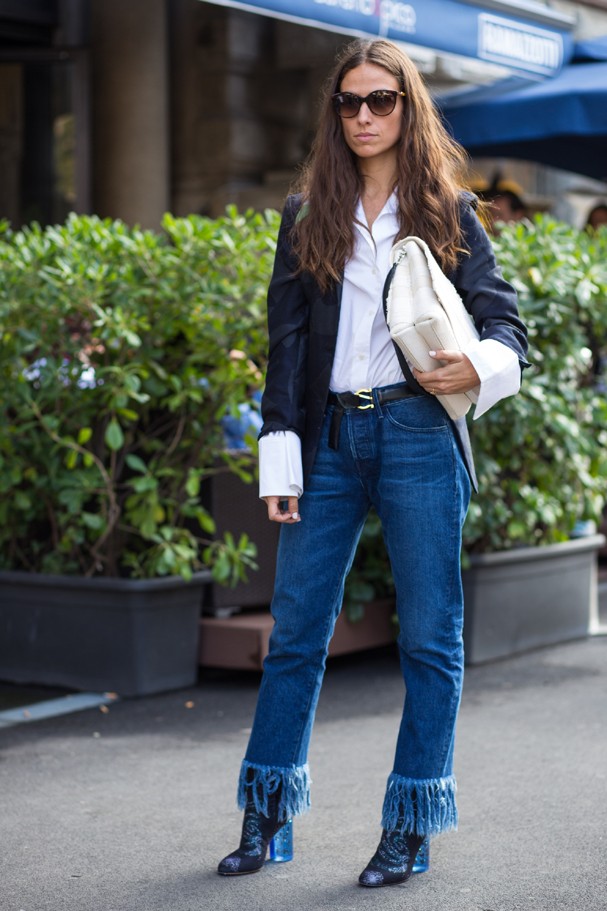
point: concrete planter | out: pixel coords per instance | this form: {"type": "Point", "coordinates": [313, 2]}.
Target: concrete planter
{"type": "Point", "coordinates": [530, 597]}
{"type": "Point", "coordinates": [132, 637]}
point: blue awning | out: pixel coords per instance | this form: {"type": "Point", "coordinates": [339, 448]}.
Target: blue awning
{"type": "Point", "coordinates": [561, 122]}
{"type": "Point", "coordinates": [590, 50]}
{"type": "Point", "coordinates": [523, 36]}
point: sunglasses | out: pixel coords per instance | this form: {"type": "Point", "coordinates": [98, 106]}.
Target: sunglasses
{"type": "Point", "coordinates": [381, 102]}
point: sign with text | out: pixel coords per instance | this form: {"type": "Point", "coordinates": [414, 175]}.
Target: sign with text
{"type": "Point", "coordinates": [444, 25]}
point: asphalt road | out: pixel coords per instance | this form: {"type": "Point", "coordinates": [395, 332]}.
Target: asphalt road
{"type": "Point", "coordinates": [130, 808]}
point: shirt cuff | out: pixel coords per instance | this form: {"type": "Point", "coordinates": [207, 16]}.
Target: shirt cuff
{"type": "Point", "coordinates": [280, 468]}
{"type": "Point", "coordinates": [498, 369]}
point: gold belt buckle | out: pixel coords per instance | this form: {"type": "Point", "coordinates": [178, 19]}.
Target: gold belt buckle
{"type": "Point", "coordinates": [368, 396]}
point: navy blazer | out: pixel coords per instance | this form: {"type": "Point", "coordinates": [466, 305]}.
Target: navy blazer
{"type": "Point", "coordinates": [303, 320]}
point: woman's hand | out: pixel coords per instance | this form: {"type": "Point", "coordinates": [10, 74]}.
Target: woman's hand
{"type": "Point", "coordinates": [289, 515]}
{"type": "Point", "coordinates": [457, 374]}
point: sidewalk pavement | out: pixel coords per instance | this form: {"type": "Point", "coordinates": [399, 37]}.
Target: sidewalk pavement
{"type": "Point", "coordinates": [130, 808]}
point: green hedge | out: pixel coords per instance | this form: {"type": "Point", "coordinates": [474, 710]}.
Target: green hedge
{"type": "Point", "coordinates": [120, 352]}
{"type": "Point", "coordinates": [542, 455]}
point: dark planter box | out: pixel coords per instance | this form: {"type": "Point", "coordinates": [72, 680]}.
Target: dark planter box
{"type": "Point", "coordinates": [530, 597]}
{"type": "Point", "coordinates": [132, 637]}
{"type": "Point", "coordinates": [236, 507]}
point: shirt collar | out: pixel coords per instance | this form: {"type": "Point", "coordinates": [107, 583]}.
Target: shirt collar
{"type": "Point", "coordinates": [390, 208]}
{"type": "Point", "coordinates": [391, 204]}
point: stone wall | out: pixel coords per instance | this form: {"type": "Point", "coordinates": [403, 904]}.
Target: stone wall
{"type": "Point", "coordinates": [130, 115]}
{"type": "Point", "coordinates": [242, 99]}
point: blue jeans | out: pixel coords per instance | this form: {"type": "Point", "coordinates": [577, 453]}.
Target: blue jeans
{"type": "Point", "coordinates": [401, 458]}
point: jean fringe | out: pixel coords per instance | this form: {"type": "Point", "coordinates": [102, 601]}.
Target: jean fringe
{"type": "Point", "coordinates": [425, 806]}
{"type": "Point", "coordinates": [261, 782]}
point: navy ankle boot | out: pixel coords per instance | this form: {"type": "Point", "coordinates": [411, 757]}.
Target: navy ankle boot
{"type": "Point", "coordinates": [257, 832]}
{"type": "Point", "coordinates": [393, 861]}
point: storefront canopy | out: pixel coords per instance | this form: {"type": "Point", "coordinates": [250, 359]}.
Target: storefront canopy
{"type": "Point", "coordinates": [561, 122]}
{"type": "Point", "coordinates": [591, 50]}
{"type": "Point", "coordinates": [524, 36]}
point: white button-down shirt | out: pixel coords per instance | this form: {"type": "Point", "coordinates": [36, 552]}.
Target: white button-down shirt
{"type": "Point", "coordinates": [364, 352]}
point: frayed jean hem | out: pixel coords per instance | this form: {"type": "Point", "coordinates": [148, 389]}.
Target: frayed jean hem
{"type": "Point", "coordinates": [259, 782]}
{"type": "Point", "coordinates": [424, 806]}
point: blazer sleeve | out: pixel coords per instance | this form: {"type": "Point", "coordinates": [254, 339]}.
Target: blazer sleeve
{"type": "Point", "coordinates": [489, 298]}
{"type": "Point", "coordinates": [282, 404]}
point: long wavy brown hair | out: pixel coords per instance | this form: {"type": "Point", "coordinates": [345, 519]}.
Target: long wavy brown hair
{"type": "Point", "coordinates": [429, 165]}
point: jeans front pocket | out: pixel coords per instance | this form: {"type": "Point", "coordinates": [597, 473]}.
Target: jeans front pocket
{"type": "Point", "coordinates": [419, 414]}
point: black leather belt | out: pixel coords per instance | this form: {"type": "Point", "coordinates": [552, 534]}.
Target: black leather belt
{"type": "Point", "coordinates": [362, 400]}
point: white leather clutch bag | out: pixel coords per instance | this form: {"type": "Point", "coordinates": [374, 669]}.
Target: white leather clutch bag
{"type": "Point", "coordinates": [425, 313]}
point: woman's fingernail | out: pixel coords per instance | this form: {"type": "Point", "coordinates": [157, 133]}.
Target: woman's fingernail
{"type": "Point", "coordinates": [432, 353]}
{"type": "Point", "coordinates": [295, 516]}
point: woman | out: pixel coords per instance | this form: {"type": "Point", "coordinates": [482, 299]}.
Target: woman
{"type": "Point", "coordinates": [382, 168]}
{"type": "Point", "coordinates": [597, 217]}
